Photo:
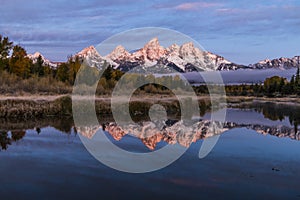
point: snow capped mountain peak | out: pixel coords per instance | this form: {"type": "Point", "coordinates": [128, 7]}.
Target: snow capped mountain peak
{"type": "Point", "coordinates": [154, 43]}
{"type": "Point", "coordinates": [152, 51]}
{"type": "Point", "coordinates": [34, 57]}
{"type": "Point", "coordinates": [189, 51]}
{"type": "Point", "coordinates": [188, 45]}
{"type": "Point", "coordinates": [37, 54]}
{"type": "Point", "coordinates": [152, 56]}
{"type": "Point", "coordinates": [173, 48]}
{"type": "Point", "coordinates": [184, 58]}
{"type": "Point", "coordinates": [218, 59]}
{"type": "Point", "coordinates": [88, 52]}
{"type": "Point", "coordinates": [91, 57]}
{"type": "Point", "coordinates": [264, 61]}
{"type": "Point", "coordinates": [157, 58]}
{"type": "Point", "coordinates": [119, 53]}
{"type": "Point", "coordinates": [280, 63]}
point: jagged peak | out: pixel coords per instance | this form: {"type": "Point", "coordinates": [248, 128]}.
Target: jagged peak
{"type": "Point", "coordinates": [188, 45]}
{"type": "Point", "coordinates": [118, 53]}
{"type": "Point", "coordinates": [173, 47]}
{"type": "Point", "coordinates": [265, 61]}
{"type": "Point", "coordinates": [91, 48]}
{"type": "Point", "coordinates": [37, 54]}
{"type": "Point", "coordinates": [281, 63]}
{"type": "Point", "coordinates": [153, 43]}
{"type": "Point", "coordinates": [87, 51]}
{"type": "Point", "coordinates": [151, 51]}
{"type": "Point", "coordinates": [284, 59]}
{"type": "Point", "coordinates": [187, 49]}
{"type": "Point", "coordinates": [120, 49]}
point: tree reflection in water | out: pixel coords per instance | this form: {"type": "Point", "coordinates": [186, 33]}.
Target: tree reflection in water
{"type": "Point", "coordinates": [4, 140]}
{"type": "Point", "coordinates": [274, 112]}
{"type": "Point", "coordinates": [13, 130]}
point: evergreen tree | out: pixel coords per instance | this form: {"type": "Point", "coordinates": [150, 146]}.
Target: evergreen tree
{"type": "Point", "coordinates": [19, 63]}
{"type": "Point", "coordinates": [108, 71]}
{"type": "Point", "coordinates": [297, 82]}
{"type": "Point", "coordinates": [274, 85]}
{"type": "Point", "coordinates": [292, 84]}
{"type": "Point", "coordinates": [74, 66]}
{"type": "Point", "coordinates": [62, 72]}
{"type": "Point", "coordinates": [297, 79]}
{"type": "Point", "coordinates": [281, 85]}
{"type": "Point", "coordinates": [38, 68]}
{"type": "Point", "coordinates": [5, 48]}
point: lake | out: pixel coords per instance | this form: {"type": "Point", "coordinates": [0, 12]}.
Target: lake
{"type": "Point", "coordinates": [45, 158]}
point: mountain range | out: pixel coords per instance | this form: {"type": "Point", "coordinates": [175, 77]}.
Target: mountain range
{"type": "Point", "coordinates": [154, 57]}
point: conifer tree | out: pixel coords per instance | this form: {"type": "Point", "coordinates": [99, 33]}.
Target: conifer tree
{"type": "Point", "coordinates": [19, 63]}
{"type": "Point", "coordinates": [5, 48]}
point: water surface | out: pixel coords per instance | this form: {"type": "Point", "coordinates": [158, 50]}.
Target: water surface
{"type": "Point", "coordinates": [46, 159]}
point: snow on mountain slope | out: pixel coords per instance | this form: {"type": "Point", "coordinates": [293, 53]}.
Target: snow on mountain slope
{"type": "Point", "coordinates": [280, 63]}
{"type": "Point", "coordinates": [34, 58]}
{"type": "Point", "coordinates": [91, 57]}
{"type": "Point", "coordinates": [184, 58]}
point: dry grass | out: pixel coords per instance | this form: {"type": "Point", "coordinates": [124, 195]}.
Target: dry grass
{"type": "Point", "coordinates": [13, 85]}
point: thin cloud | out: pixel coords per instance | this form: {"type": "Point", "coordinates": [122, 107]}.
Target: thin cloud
{"type": "Point", "coordinates": [231, 25]}
{"type": "Point", "coordinates": [195, 6]}
{"type": "Point", "coordinates": [228, 11]}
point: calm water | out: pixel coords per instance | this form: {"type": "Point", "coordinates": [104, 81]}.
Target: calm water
{"type": "Point", "coordinates": [46, 159]}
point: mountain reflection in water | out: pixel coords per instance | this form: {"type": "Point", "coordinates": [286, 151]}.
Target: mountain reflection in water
{"type": "Point", "coordinates": [170, 131]}
{"type": "Point", "coordinates": [182, 134]}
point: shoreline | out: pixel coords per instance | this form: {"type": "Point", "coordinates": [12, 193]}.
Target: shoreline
{"type": "Point", "coordinates": [229, 99]}
{"type": "Point", "coordinates": [31, 106]}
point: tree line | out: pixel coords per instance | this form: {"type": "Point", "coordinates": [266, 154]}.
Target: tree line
{"type": "Point", "coordinates": [14, 60]}
{"type": "Point", "coordinates": [17, 70]}
{"type": "Point", "coordinates": [275, 86]}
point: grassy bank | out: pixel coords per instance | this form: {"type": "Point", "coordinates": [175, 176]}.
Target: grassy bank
{"type": "Point", "coordinates": [26, 107]}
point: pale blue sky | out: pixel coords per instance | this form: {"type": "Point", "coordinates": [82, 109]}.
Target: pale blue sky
{"type": "Point", "coordinates": [243, 31]}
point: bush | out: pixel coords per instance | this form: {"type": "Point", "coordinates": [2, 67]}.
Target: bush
{"type": "Point", "coordinates": [11, 84]}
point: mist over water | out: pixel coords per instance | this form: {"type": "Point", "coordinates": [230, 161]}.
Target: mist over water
{"type": "Point", "coordinates": [246, 76]}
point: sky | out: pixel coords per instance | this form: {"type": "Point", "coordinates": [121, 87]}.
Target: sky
{"type": "Point", "coordinates": [243, 31]}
